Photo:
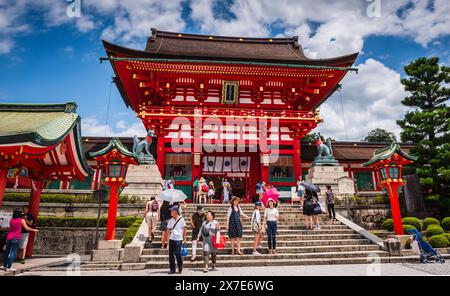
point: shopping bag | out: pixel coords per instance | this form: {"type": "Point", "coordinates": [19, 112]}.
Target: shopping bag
{"type": "Point", "coordinates": [219, 241]}
{"type": "Point", "coordinates": [184, 252]}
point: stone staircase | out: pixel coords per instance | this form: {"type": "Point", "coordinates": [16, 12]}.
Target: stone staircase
{"type": "Point", "coordinates": [333, 244]}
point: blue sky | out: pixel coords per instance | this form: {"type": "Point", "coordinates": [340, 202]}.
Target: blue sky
{"type": "Point", "coordinates": [47, 56]}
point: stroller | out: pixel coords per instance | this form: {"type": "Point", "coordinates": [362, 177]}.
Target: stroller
{"type": "Point", "coordinates": [427, 253]}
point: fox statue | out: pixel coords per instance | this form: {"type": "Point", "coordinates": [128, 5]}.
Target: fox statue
{"type": "Point", "coordinates": [142, 148]}
{"type": "Point", "coordinates": [324, 150]}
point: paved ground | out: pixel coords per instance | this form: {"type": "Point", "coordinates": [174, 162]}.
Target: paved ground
{"type": "Point", "coordinates": [33, 263]}
{"type": "Point", "coordinates": [401, 269]}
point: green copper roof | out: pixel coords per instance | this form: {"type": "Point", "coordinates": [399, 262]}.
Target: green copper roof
{"type": "Point", "coordinates": [42, 124]}
{"type": "Point", "coordinates": [114, 143]}
{"type": "Point", "coordinates": [386, 152]}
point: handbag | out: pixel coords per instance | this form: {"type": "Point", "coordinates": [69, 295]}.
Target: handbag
{"type": "Point", "coordinates": [316, 208]}
{"type": "Point", "coordinates": [255, 225]}
{"type": "Point", "coordinates": [205, 188]}
{"type": "Point", "coordinates": [184, 252]}
{"type": "Point", "coordinates": [322, 207]}
{"type": "Point", "coordinates": [219, 241]}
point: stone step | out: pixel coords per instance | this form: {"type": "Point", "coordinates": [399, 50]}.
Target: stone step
{"type": "Point", "coordinates": [307, 259]}
{"type": "Point", "coordinates": [265, 255]}
{"type": "Point", "coordinates": [281, 248]}
{"type": "Point", "coordinates": [360, 241]}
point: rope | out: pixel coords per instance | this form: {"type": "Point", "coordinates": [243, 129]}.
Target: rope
{"type": "Point", "coordinates": [343, 114]}
{"type": "Point", "coordinates": [107, 111]}
{"type": "Point", "coordinates": [229, 62]}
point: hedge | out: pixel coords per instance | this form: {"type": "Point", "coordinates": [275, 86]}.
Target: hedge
{"type": "Point", "coordinates": [388, 224]}
{"type": "Point", "coordinates": [446, 223]}
{"type": "Point", "coordinates": [48, 221]}
{"type": "Point", "coordinates": [412, 221]}
{"type": "Point", "coordinates": [438, 241]}
{"type": "Point", "coordinates": [131, 232]}
{"type": "Point", "coordinates": [433, 230]}
{"type": "Point", "coordinates": [429, 221]}
{"type": "Point", "coordinates": [407, 227]}
{"type": "Point", "coordinates": [65, 198]}
{"type": "Point", "coordinates": [446, 235]}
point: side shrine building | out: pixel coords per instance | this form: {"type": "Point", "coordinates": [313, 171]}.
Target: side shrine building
{"type": "Point", "coordinates": [226, 107]}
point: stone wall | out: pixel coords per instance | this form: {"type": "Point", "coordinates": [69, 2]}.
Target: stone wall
{"type": "Point", "coordinates": [64, 241]}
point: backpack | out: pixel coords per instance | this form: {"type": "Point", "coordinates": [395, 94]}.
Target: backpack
{"type": "Point", "coordinates": [154, 207]}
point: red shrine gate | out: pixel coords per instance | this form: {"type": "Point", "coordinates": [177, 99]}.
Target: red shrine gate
{"type": "Point", "coordinates": [226, 100]}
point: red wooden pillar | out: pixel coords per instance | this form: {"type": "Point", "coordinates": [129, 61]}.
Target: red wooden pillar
{"type": "Point", "coordinates": [296, 157]}
{"type": "Point", "coordinates": [3, 174]}
{"type": "Point", "coordinates": [160, 148]}
{"type": "Point", "coordinates": [395, 208]}
{"type": "Point", "coordinates": [35, 200]}
{"type": "Point", "coordinates": [264, 169]}
{"type": "Point", "coordinates": [112, 211]}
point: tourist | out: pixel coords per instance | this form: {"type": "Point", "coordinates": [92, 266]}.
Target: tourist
{"type": "Point", "coordinates": [257, 227]}
{"type": "Point", "coordinates": [151, 217]}
{"type": "Point", "coordinates": [195, 189]}
{"type": "Point", "coordinates": [177, 227]}
{"type": "Point", "coordinates": [263, 189]}
{"type": "Point", "coordinates": [13, 238]}
{"type": "Point", "coordinates": [259, 190]}
{"type": "Point", "coordinates": [164, 217]}
{"type": "Point", "coordinates": [329, 196]}
{"type": "Point", "coordinates": [234, 224]}
{"type": "Point", "coordinates": [308, 209]}
{"type": "Point", "coordinates": [209, 228]}
{"type": "Point", "coordinates": [317, 209]}
{"type": "Point", "coordinates": [171, 183]}
{"type": "Point", "coordinates": [29, 219]}
{"type": "Point", "coordinates": [196, 222]}
{"type": "Point", "coordinates": [203, 190]}
{"type": "Point", "coordinates": [270, 224]}
{"type": "Point", "coordinates": [211, 192]}
{"type": "Point", "coordinates": [300, 191]}
{"type": "Point", "coordinates": [226, 190]}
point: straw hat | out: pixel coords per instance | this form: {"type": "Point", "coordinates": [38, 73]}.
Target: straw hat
{"type": "Point", "coordinates": [234, 198]}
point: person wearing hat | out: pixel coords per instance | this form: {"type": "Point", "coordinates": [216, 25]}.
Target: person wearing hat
{"type": "Point", "coordinates": [196, 223]}
{"type": "Point", "coordinates": [270, 223]}
{"type": "Point", "coordinates": [177, 228]}
{"type": "Point", "coordinates": [257, 227]}
{"type": "Point", "coordinates": [234, 224]}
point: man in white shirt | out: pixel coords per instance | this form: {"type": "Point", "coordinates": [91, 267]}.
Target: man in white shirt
{"type": "Point", "coordinates": [177, 227]}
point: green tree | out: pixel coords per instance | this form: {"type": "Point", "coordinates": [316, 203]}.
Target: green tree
{"type": "Point", "coordinates": [427, 125]}
{"type": "Point", "coordinates": [380, 135]}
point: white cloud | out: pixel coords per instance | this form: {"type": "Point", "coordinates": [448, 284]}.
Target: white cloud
{"type": "Point", "coordinates": [371, 99]}
{"type": "Point", "coordinates": [90, 126]}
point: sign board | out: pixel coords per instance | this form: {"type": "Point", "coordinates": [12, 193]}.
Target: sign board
{"type": "Point", "coordinates": [346, 185]}
{"type": "Point", "coordinates": [4, 219]}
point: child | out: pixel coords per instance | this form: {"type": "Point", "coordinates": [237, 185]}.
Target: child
{"type": "Point", "coordinates": [257, 227]}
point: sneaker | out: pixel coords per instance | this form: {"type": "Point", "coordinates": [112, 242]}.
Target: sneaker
{"type": "Point", "coordinates": [256, 253]}
{"type": "Point", "coordinates": [10, 270]}
{"type": "Point", "coordinates": [193, 258]}
{"type": "Point", "coordinates": [213, 267]}
{"type": "Point", "coordinates": [171, 272]}
{"type": "Point", "coordinates": [205, 270]}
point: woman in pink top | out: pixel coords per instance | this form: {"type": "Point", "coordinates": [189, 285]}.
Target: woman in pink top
{"type": "Point", "coordinates": [13, 237]}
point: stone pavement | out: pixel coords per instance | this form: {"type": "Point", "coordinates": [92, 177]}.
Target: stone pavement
{"type": "Point", "coordinates": [391, 269]}
{"type": "Point", "coordinates": [30, 264]}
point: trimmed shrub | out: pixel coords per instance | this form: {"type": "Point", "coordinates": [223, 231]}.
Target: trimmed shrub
{"type": "Point", "coordinates": [407, 227]}
{"type": "Point", "coordinates": [388, 224]}
{"type": "Point", "coordinates": [408, 244]}
{"type": "Point", "coordinates": [131, 232]}
{"type": "Point", "coordinates": [429, 221]}
{"type": "Point", "coordinates": [446, 223]}
{"type": "Point", "coordinates": [381, 199]}
{"type": "Point", "coordinates": [438, 241]}
{"type": "Point", "coordinates": [49, 221]}
{"type": "Point", "coordinates": [434, 230]}
{"type": "Point", "coordinates": [412, 221]}
{"type": "Point", "coordinates": [446, 235]}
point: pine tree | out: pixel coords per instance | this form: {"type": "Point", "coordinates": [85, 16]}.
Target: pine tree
{"type": "Point", "coordinates": [427, 126]}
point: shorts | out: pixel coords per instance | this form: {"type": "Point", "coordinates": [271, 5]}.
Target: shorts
{"type": "Point", "coordinates": [195, 189]}
{"type": "Point", "coordinates": [23, 242]}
